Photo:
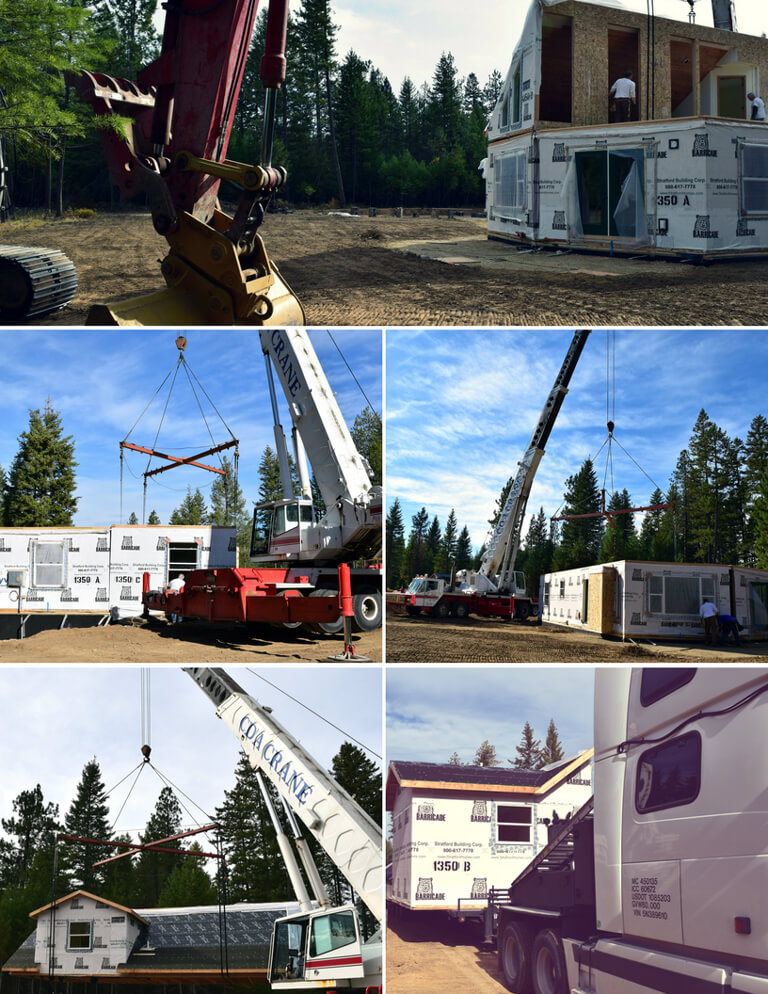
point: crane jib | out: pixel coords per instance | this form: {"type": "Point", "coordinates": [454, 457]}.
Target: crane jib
{"type": "Point", "coordinates": [295, 782]}
{"type": "Point", "coordinates": [282, 360]}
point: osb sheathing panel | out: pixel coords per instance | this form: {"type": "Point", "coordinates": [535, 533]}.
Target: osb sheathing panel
{"type": "Point", "coordinates": [591, 82]}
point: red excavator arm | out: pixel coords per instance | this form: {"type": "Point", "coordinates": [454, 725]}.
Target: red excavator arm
{"type": "Point", "coordinates": [173, 150]}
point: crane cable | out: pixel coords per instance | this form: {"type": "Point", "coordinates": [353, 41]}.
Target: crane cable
{"type": "Point", "coordinates": [373, 409]}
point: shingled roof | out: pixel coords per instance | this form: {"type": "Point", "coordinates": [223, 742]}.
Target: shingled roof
{"type": "Point", "coordinates": [425, 777]}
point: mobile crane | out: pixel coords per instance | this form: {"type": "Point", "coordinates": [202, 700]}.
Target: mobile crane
{"type": "Point", "coordinates": [497, 589]}
{"type": "Point", "coordinates": [168, 139]}
{"type": "Point", "coordinates": [321, 947]}
{"type": "Point", "coordinates": [310, 547]}
{"type": "Point", "coordinates": [658, 882]}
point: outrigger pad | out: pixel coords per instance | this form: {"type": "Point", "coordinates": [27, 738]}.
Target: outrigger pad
{"type": "Point", "coordinates": [34, 282]}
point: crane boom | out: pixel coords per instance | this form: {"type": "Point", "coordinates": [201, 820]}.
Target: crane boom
{"type": "Point", "coordinates": [348, 835]}
{"type": "Point", "coordinates": [503, 542]}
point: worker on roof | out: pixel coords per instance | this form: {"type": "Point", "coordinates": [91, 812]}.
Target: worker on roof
{"type": "Point", "coordinates": [624, 92]}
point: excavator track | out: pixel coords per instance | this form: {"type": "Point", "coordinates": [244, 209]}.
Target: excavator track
{"type": "Point", "coordinates": [33, 282]}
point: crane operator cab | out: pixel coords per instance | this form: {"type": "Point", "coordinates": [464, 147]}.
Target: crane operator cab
{"type": "Point", "coordinates": [316, 946]}
{"type": "Point", "coordinates": [286, 531]}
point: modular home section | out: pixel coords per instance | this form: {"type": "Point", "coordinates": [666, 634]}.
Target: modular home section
{"type": "Point", "coordinates": [686, 175]}
{"type": "Point", "coordinates": [632, 599]}
{"type": "Point", "coordinates": [457, 831]}
{"type": "Point", "coordinates": [87, 574]}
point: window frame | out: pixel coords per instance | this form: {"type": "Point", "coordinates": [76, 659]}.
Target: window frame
{"type": "Point", "coordinates": [680, 803]}
{"type": "Point", "coordinates": [761, 177]}
{"type": "Point", "coordinates": [80, 948]}
{"type": "Point", "coordinates": [528, 809]}
{"type": "Point", "coordinates": [663, 578]}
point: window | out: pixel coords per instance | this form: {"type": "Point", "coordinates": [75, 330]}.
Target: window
{"type": "Point", "coordinates": [79, 935]}
{"type": "Point", "coordinates": [514, 823]}
{"type": "Point", "coordinates": [118, 919]}
{"type": "Point", "coordinates": [510, 179]}
{"type": "Point", "coordinates": [678, 595]}
{"type": "Point", "coordinates": [182, 558]}
{"type": "Point", "coordinates": [670, 774]}
{"type": "Point", "coordinates": [753, 186]}
{"type": "Point", "coordinates": [331, 932]}
{"type": "Point", "coordinates": [49, 561]}
{"type": "Point", "coordinates": [659, 682]}
{"type": "Point", "coordinates": [562, 588]}
{"type": "Point", "coordinates": [546, 595]}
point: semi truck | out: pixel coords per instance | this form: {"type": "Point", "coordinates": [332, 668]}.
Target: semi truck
{"type": "Point", "coordinates": [658, 882]}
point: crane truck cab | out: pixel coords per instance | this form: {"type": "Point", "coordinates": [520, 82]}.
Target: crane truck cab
{"type": "Point", "coordinates": [316, 948]}
{"type": "Point", "coordinates": [288, 532]}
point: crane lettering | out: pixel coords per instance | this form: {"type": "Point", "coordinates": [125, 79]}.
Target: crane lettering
{"type": "Point", "coordinates": [289, 373]}
{"type": "Point", "coordinates": [294, 780]}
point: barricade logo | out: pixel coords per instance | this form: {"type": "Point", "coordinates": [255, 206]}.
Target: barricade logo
{"type": "Point", "coordinates": [558, 152]}
{"type": "Point", "coordinates": [426, 812]}
{"type": "Point", "coordinates": [743, 229]}
{"type": "Point", "coordinates": [701, 147]}
{"type": "Point", "coordinates": [68, 597]}
{"type": "Point", "coordinates": [479, 887]}
{"type": "Point", "coordinates": [101, 545]}
{"type": "Point", "coordinates": [424, 891]}
{"type": "Point", "coordinates": [72, 547]}
{"type": "Point", "coordinates": [128, 544]}
{"type": "Point", "coordinates": [480, 811]}
{"type": "Point", "coordinates": [558, 221]}
{"type": "Point", "coordinates": [102, 594]}
{"type": "Point", "coordinates": [125, 594]}
{"type": "Point", "coordinates": [702, 229]}
{"type": "Point", "coordinates": [3, 546]}
{"type": "Point", "coordinates": [34, 595]}
{"type": "Point", "coordinates": [161, 543]}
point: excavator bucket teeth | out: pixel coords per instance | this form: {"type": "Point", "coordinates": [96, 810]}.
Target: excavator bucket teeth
{"type": "Point", "coordinates": [184, 304]}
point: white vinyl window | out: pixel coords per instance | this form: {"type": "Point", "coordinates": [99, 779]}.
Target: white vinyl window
{"type": "Point", "coordinates": [678, 595]}
{"type": "Point", "coordinates": [514, 823]}
{"type": "Point", "coordinates": [49, 563]}
{"type": "Point", "coordinates": [79, 935]}
{"type": "Point", "coordinates": [753, 187]}
{"type": "Point", "coordinates": [510, 179]}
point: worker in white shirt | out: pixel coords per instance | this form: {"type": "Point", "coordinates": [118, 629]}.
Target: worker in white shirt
{"type": "Point", "coordinates": [709, 613]}
{"type": "Point", "coordinates": [623, 92]}
{"type": "Point", "coordinates": [176, 586]}
{"type": "Point", "coordinates": [758, 107]}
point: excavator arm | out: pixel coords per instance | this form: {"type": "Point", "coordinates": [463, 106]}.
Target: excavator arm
{"type": "Point", "coordinates": [167, 139]}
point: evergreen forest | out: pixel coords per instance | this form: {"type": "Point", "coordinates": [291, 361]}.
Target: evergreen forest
{"type": "Point", "coordinates": [717, 512]}
{"type": "Point", "coordinates": [344, 135]}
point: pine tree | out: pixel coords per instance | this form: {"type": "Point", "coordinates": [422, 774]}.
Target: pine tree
{"type": "Point", "coordinates": [229, 508]}
{"type": "Point", "coordinates": [528, 752]}
{"type": "Point", "coordinates": [580, 539]}
{"type": "Point", "coordinates": [432, 543]}
{"type": "Point", "coordinates": [154, 518]}
{"type": "Point", "coordinates": [41, 482]}
{"type": "Point", "coordinates": [619, 539]}
{"type": "Point", "coordinates": [191, 511]}
{"type": "Point", "coordinates": [395, 549]}
{"type": "Point", "coordinates": [447, 551]}
{"type": "Point", "coordinates": [760, 522]}
{"type": "Point", "coordinates": [87, 817]}
{"type": "Point", "coordinates": [154, 868]}
{"type": "Point", "coordinates": [31, 829]}
{"type": "Point", "coordinates": [464, 549]}
{"type": "Point", "coordinates": [536, 556]}
{"type": "Point", "coordinates": [415, 551]}
{"type": "Point", "coordinates": [133, 520]}
{"type": "Point", "coordinates": [454, 760]}
{"type": "Point", "coordinates": [255, 867]}
{"type": "Point", "coordinates": [553, 750]}
{"type": "Point", "coordinates": [366, 434]}
{"type": "Point", "coordinates": [360, 777]}
{"type": "Point", "coordinates": [485, 755]}
{"type": "Point", "coordinates": [188, 884]}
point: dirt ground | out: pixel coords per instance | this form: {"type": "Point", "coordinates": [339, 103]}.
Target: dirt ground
{"type": "Point", "coordinates": [433, 955]}
{"type": "Point", "coordinates": [418, 271]}
{"type": "Point", "coordinates": [481, 640]}
{"type": "Point", "coordinates": [186, 643]}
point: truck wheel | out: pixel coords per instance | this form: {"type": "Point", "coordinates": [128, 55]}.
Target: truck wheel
{"type": "Point", "coordinates": [522, 611]}
{"type": "Point", "coordinates": [460, 610]}
{"type": "Point", "coordinates": [413, 611]}
{"type": "Point", "coordinates": [515, 957]}
{"type": "Point", "coordinates": [327, 627]}
{"type": "Point", "coordinates": [548, 971]}
{"type": "Point", "coordinates": [367, 608]}
{"type": "Point", "coordinates": [441, 610]}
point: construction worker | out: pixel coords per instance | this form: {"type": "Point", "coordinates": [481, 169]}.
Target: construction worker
{"type": "Point", "coordinates": [624, 92]}
{"type": "Point", "coordinates": [709, 614]}
{"type": "Point", "coordinates": [758, 107]}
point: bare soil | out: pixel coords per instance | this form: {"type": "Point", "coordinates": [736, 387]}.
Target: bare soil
{"type": "Point", "coordinates": [189, 642]}
{"type": "Point", "coordinates": [421, 270]}
{"type": "Point", "coordinates": [431, 954]}
{"type": "Point", "coordinates": [482, 640]}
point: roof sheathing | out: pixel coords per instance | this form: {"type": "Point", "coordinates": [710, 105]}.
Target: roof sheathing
{"type": "Point", "coordinates": [425, 778]}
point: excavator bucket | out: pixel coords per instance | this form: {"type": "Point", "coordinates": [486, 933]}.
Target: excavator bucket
{"type": "Point", "coordinates": [209, 284]}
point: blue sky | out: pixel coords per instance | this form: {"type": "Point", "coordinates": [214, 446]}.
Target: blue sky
{"type": "Point", "coordinates": [100, 381]}
{"type": "Point", "coordinates": [462, 404]}
{"type": "Point", "coordinates": [406, 39]}
{"type": "Point", "coordinates": [434, 711]}
{"type": "Point", "coordinates": [190, 745]}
